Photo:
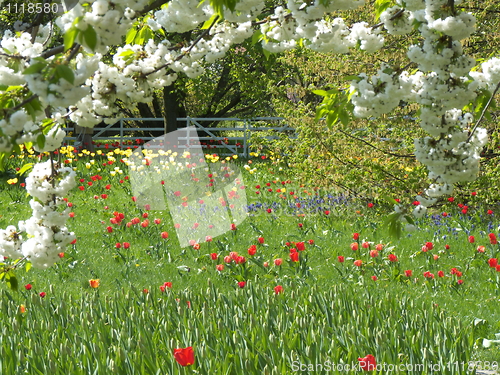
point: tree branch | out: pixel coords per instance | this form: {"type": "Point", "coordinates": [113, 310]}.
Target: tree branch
{"type": "Point", "coordinates": [195, 42]}
{"type": "Point", "coordinates": [155, 4]}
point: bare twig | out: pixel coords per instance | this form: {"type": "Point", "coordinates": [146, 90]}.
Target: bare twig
{"type": "Point", "coordinates": [375, 147]}
{"type": "Point", "coordinates": [484, 112]}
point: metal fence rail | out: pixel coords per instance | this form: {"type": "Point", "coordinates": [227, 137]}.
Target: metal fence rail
{"type": "Point", "coordinates": [245, 127]}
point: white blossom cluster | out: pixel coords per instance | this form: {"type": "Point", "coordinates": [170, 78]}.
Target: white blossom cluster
{"type": "Point", "coordinates": [289, 25]}
{"type": "Point", "coordinates": [442, 86]}
{"type": "Point", "coordinates": [109, 19]}
{"type": "Point", "coordinates": [381, 93]}
{"type": "Point", "coordinates": [46, 233]}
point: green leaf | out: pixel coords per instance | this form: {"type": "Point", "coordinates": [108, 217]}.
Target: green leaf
{"type": "Point", "coordinates": [70, 37]}
{"type": "Point", "coordinates": [380, 6]}
{"type": "Point", "coordinates": [352, 78]}
{"type": "Point", "coordinates": [35, 68]}
{"type": "Point", "coordinates": [266, 53]}
{"type": "Point", "coordinates": [144, 35]}
{"type": "Point", "coordinates": [210, 21]}
{"type": "Point", "coordinates": [27, 266]}
{"type": "Point", "coordinates": [393, 224]}
{"type": "Point", "coordinates": [131, 34]}
{"type": "Point", "coordinates": [321, 92]}
{"type": "Point", "coordinates": [257, 37]}
{"type": "Point", "coordinates": [11, 280]}
{"type": "Point", "coordinates": [3, 158]}
{"type": "Point", "coordinates": [65, 72]}
{"type": "Point", "coordinates": [25, 168]}
{"type": "Point", "coordinates": [90, 37]}
{"type": "Point", "coordinates": [40, 141]}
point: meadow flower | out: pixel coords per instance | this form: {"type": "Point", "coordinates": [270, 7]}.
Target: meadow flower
{"type": "Point", "coordinates": [408, 273]}
{"type": "Point", "coordinates": [219, 267]}
{"type": "Point", "coordinates": [471, 239]}
{"type": "Point", "coordinates": [242, 284]}
{"type": "Point", "coordinates": [164, 235]}
{"type": "Point", "coordinates": [374, 278]}
{"type": "Point", "coordinates": [355, 236]}
{"type": "Point", "coordinates": [278, 289]}
{"type": "Point", "coordinates": [341, 259]}
{"type": "Point", "coordinates": [278, 262]}
{"type": "Point", "coordinates": [94, 283]}
{"type": "Point", "coordinates": [358, 263]}
{"type": "Point", "coordinates": [261, 240]}
{"type": "Point", "coordinates": [43, 294]}
{"type": "Point", "coordinates": [354, 246]}
{"type": "Point", "coordinates": [184, 356]}
{"type": "Point", "coordinates": [373, 253]}
{"type": "Point", "coordinates": [493, 262]}
{"type": "Point", "coordinates": [28, 286]}
{"type": "Point", "coordinates": [294, 257]}
{"type": "Point", "coordinates": [392, 258]}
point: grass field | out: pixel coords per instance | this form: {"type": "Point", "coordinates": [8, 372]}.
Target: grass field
{"type": "Point", "coordinates": [309, 281]}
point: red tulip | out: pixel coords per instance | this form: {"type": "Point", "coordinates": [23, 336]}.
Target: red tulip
{"type": "Point", "coordinates": [28, 286]}
{"type": "Point", "coordinates": [278, 289]}
{"type": "Point", "coordinates": [261, 240]}
{"type": "Point", "coordinates": [355, 236]}
{"type": "Point", "coordinates": [252, 250]}
{"type": "Point", "coordinates": [341, 259]}
{"type": "Point", "coordinates": [392, 258]}
{"type": "Point", "coordinates": [242, 284]}
{"type": "Point", "coordinates": [358, 263]}
{"type": "Point", "coordinates": [294, 257]}
{"type": "Point", "coordinates": [368, 363]}
{"type": "Point", "coordinates": [408, 273]}
{"type": "Point", "coordinates": [493, 262]}
{"type": "Point", "coordinates": [277, 262]}
{"type": "Point", "coordinates": [184, 356]}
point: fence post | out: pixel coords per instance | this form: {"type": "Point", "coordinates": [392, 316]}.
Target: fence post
{"type": "Point", "coordinates": [245, 133]}
{"type": "Point", "coordinates": [121, 132]}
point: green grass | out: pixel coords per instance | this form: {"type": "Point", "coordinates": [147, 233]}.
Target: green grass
{"type": "Point", "coordinates": [328, 311]}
